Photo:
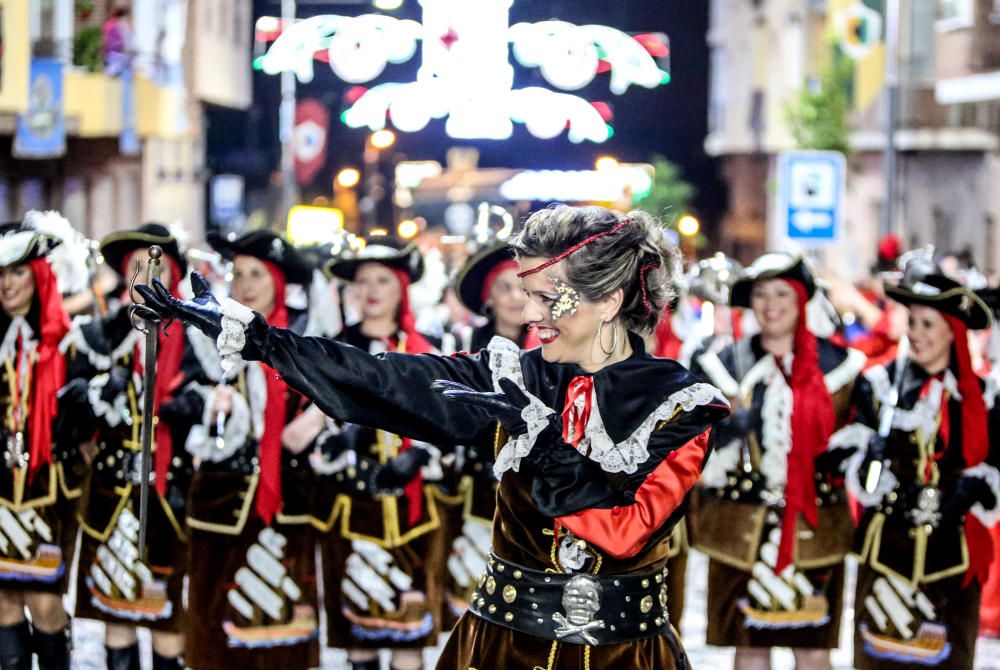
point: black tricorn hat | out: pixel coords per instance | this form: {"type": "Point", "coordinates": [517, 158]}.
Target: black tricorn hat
{"type": "Point", "coordinates": [772, 265]}
{"type": "Point", "coordinates": [470, 279]}
{"type": "Point", "coordinates": [118, 245]}
{"type": "Point", "coordinates": [267, 246]}
{"type": "Point", "coordinates": [20, 243]}
{"type": "Point", "coordinates": [388, 251]}
{"type": "Point", "coordinates": [924, 284]}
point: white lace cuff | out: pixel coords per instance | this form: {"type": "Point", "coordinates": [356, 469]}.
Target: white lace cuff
{"type": "Point", "coordinates": [232, 339]}
{"type": "Point", "coordinates": [886, 482]}
{"type": "Point", "coordinates": [202, 444]}
{"type": "Point", "coordinates": [116, 411]}
{"type": "Point", "coordinates": [990, 475]}
{"type": "Point", "coordinates": [852, 436]}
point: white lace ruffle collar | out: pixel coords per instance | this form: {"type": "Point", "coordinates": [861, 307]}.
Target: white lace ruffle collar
{"type": "Point", "coordinates": [625, 456]}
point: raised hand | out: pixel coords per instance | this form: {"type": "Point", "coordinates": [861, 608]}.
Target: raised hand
{"type": "Point", "coordinates": [400, 470]}
{"type": "Point", "coordinates": [202, 311]}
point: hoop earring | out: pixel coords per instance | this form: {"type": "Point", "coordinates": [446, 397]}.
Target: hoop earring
{"type": "Point", "coordinates": [614, 337]}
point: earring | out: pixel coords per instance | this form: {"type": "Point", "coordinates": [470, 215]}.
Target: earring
{"type": "Point", "coordinates": [614, 337]}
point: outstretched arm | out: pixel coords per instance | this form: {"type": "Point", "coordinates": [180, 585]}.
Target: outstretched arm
{"type": "Point", "coordinates": [388, 391]}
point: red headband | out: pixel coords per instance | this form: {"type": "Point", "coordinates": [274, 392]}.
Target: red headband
{"type": "Point", "coordinates": [576, 247]}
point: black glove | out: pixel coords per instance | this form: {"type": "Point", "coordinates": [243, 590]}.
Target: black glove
{"type": "Point", "coordinates": [402, 469]}
{"type": "Point", "coordinates": [740, 422]}
{"type": "Point", "coordinates": [968, 491]}
{"type": "Point", "coordinates": [875, 453]}
{"type": "Point", "coordinates": [118, 379]}
{"type": "Point", "coordinates": [332, 445]}
{"type": "Point", "coordinates": [830, 461]}
{"type": "Point", "coordinates": [202, 312]}
{"type": "Point", "coordinates": [504, 406]}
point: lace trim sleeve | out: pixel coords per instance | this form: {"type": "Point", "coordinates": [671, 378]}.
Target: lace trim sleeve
{"type": "Point", "coordinates": [505, 361]}
{"type": "Point", "coordinates": [232, 339]}
{"type": "Point", "coordinates": [990, 475]}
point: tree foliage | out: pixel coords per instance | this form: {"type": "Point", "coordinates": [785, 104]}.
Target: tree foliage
{"type": "Point", "coordinates": [671, 195]}
{"type": "Point", "coordinates": [818, 117]}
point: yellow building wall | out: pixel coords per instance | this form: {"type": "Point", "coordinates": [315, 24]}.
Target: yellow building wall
{"type": "Point", "coordinates": [95, 100]}
{"type": "Point", "coordinates": [16, 56]}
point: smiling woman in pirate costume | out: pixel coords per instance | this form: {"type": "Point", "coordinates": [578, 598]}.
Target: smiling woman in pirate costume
{"type": "Point", "coordinates": [115, 584]}
{"type": "Point", "coordinates": [925, 472]}
{"type": "Point", "coordinates": [42, 481]}
{"type": "Point", "coordinates": [252, 587]}
{"type": "Point", "coordinates": [597, 443]}
{"type": "Point", "coordinates": [771, 512]}
{"type": "Point", "coordinates": [376, 507]}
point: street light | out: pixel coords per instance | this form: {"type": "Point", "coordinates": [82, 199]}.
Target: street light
{"type": "Point", "coordinates": [407, 228]}
{"type": "Point", "coordinates": [382, 139]}
{"type": "Point", "coordinates": [688, 226]}
{"type": "Point", "coordinates": [348, 177]}
{"type": "Point", "coordinates": [605, 163]}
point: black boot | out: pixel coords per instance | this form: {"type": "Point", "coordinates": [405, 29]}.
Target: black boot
{"type": "Point", "coordinates": [366, 665]}
{"type": "Point", "coordinates": [126, 658]}
{"type": "Point", "coordinates": [52, 649]}
{"type": "Point", "coordinates": [167, 662]}
{"type": "Point", "coordinates": [15, 647]}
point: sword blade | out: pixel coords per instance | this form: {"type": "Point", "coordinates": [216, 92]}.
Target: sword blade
{"type": "Point", "coordinates": [148, 382]}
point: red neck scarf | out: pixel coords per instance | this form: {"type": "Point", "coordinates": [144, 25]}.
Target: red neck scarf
{"type": "Point", "coordinates": [813, 422]}
{"type": "Point", "coordinates": [975, 444]}
{"type": "Point", "coordinates": [50, 366]}
{"type": "Point", "coordinates": [577, 408]}
{"type": "Point", "coordinates": [268, 502]}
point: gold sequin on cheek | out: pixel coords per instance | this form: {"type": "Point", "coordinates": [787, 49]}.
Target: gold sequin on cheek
{"type": "Point", "coordinates": [569, 299]}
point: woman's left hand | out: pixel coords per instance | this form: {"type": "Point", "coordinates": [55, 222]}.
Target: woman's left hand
{"type": "Point", "coordinates": [504, 406]}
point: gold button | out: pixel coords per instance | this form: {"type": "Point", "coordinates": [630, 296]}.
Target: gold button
{"type": "Point", "coordinates": [509, 594]}
{"type": "Point", "coordinates": [491, 585]}
{"type": "Point", "coordinates": [517, 574]}
{"type": "Point", "coordinates": [642, 626]}
{"type": "Point", "coordinates": [508, 617]}
{"type": "Point", "coordinates": [492, 609]}
{"type": "Point", "coordinates": [646, 604]}
{"type": "Point", "coordinates": [645, 583]}
{"type": "Point", "coordinates": [663, 597]}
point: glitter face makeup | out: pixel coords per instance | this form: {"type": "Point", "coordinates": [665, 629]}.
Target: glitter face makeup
{"type": "Point", "coordinates": [569, 299]}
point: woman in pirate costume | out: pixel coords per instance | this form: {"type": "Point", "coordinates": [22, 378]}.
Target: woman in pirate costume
{"type": "Point", "coordinates": [377, 508]}
{"type": "Point", "coordinates": [926, 474]}
{"type": "Point", "coordinates": [252, 586]}
{"type": "Point", "coordinates": [771, 512]}
{"type": "Point", "coordinates": [597, 443]}
{"type": "Point", "coordinates": [115, 584]}
{"type": "Point", "coordinates": [39, 489]}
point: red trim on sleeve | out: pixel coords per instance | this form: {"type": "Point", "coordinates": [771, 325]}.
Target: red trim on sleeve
{"type": "Point", "coordinates": [623, 531]}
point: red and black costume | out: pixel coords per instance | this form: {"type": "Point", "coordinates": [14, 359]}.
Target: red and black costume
{"type": "Point", "coordinates": [580, 532]}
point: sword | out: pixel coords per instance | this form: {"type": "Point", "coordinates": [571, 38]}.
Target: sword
{"type": "Point", "coordinates": [888, 413]}
{"type": "Point", "coordinates": [151, 329]}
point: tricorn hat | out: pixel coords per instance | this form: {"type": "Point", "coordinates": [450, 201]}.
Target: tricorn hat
{"type": "Point", "coordinates": [20, 243]}
{"type": "Point", "coordinates": [923, 283]}
{"type": "Point", "coordinates": [388, 251]}
{"type": "Point", "coordinates": [469, 283]}
{"type": "Point", "coordinates": [772, 265]}
{"type": "Point", "coordinates": [118, 245]}
{"type": "Point", "coordinates": [267, 246]}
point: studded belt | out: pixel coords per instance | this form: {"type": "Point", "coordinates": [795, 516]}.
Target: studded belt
{"type": "Point", "coordinates": [575, 608]}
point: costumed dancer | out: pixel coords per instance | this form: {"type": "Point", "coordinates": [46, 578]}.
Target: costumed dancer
{"type": "Point", "coordinates": [38, 495]}
{"type": "Point", "coordinates": [487, 285]}
{"type": "Point", "coordinates": [382, 547]}
{"type": "Point", "coordinates": [597, 443]}
{"type": "Point", "coordinates": [115, 584]}
{"type": "Point", "coordinates": [926, 474]}
{"type": "Point", "coordinates": [252, 585]}
{"type": "Point", "coordinates": [771, 513]}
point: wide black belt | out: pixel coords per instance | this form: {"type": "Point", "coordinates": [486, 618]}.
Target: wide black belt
{"type": "Point", "coordinates": [575, 608]}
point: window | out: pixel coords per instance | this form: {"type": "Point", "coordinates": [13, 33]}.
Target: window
{"type": "Point", "coordinates": [955, 14]}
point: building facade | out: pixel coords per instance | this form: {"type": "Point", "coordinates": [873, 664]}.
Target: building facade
{"type": "Point", "coordinates": [764, 52]}
{"type": "Point", "coordinates": [133, 138]}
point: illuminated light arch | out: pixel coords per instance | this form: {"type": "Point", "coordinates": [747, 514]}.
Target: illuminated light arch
{"type": "Point", "coordinates": [465, 76]}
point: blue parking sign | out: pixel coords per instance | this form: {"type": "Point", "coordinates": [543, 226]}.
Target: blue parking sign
{"type": "Point", "coordinates": [811, 195]}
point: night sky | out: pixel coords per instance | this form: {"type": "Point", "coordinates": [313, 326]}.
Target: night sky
{"type": "Point", "coordinates": [670, 120]}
